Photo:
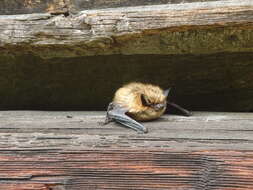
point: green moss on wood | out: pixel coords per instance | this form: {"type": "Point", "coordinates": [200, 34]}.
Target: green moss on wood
{"type": "Point", "coordinates": [183, 40]}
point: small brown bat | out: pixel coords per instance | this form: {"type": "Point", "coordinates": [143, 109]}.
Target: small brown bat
{"type": "Point", "coordinates": [139, 102]}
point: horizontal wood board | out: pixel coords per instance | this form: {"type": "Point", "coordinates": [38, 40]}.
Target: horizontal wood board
{"type": "Point", "coordinates": [71, 6]}
{"type": "Point", "coordinates": [71, 150]}
{"type": "Point", "coordinates": [131, 30]}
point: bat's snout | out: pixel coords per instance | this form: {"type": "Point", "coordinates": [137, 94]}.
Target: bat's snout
{"type": "Point", "coordinates": [159, 107]}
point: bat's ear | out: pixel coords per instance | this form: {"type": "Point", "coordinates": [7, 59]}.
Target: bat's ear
{"type": "Point", "coordinates": [166, 92]}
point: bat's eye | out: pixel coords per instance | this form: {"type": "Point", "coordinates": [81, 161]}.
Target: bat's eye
{"type": "Point", "coordinates": [145, 101]}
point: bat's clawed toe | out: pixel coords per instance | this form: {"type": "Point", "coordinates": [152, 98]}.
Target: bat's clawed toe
{"type": "Point", "coordinates": [188, 114]}
{"type": "Point", "coordinates": [144, 130]}
{"type": "Point", "coordinates": [183, 111]}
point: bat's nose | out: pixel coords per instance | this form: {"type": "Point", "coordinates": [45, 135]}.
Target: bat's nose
{"type": "Point", "coordinates": [158, 107]}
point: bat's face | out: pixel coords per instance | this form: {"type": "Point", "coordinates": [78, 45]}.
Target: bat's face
{"type": "Point", "coordinates": [143, 101]}
{"type": "Point", "coordinates": [153, 106]}
{"type": "Point", "coordinates": [155, 98]}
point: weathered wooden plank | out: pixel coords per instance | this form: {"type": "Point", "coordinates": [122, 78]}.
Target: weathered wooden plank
{"type": "Point", "coordinates": [126, 169]}
{"type": "Point", "coordinates": [215, 39]}
{"type": "Point", "coordinates": [72, 130]}
{"type": "Point", "coordinates": [132, 30]}
{"type": "Point", "coordinates": [8, 7]}
{"type": "Point", "coordinates": [70, 150]}
{"type": "Point", "coordinates": [65, 6]}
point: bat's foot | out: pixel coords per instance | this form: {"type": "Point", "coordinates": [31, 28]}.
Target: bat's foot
{"type": "Point", "coordinates": [102, 123]}
{"type": "Point", "coordinates": [188, 114]}
{"type": "Point", "coordinates": [144, 130]}
{"type": "Point", "coordinates": [183, 111]}
{"type": "Point", "coordinates": [107, 118]}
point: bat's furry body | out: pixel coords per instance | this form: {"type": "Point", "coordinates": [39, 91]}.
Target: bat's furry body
{"type": "Point", "coordinates": [139, 102]}
{"type": "Point", "coordinates": [130, 97]}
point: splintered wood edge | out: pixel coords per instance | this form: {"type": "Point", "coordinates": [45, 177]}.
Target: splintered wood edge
{"type": "Point", "coordinates": [108, 31]}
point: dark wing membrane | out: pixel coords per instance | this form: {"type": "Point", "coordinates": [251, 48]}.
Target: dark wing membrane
{"type": "Point", "coordinates": [118, 114]}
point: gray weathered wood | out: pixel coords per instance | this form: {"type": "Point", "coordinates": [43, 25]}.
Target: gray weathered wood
{"type": "Point", "coordinates": [132, 30]}
{"type": "Point", "coordinates": [32, 6]}
{"type": "Point", "coordinates": [71, 151]}
{"type": "Point", "coordinates": [36, 129]}
{"type": "Point", "coordinates": [204, 49]}
{"type": "Point", "coordinates": [65, 6]}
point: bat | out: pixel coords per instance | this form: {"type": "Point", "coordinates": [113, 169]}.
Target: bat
{"type": "Point", "coordinates": [139, 102]}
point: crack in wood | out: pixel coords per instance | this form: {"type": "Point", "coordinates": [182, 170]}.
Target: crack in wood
{"type": "Point", "coordinates": [126, 160]}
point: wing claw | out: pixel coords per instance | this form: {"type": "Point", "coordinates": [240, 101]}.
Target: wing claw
{"type": "Point", "coordinates": [118, 114]}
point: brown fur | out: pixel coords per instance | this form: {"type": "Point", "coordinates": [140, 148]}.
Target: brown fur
{"type": "Point", "coordinates": [129, 96]}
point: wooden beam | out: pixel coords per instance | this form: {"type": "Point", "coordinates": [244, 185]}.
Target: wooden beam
{"type": "Point", "coordinates": [72, 130]}
{"type": "Point", "coordinates": [70, 150]}
{"type": "Point", "coordinates": [64, 6]}
{"type": "Point", "coordinates": [158, 29]}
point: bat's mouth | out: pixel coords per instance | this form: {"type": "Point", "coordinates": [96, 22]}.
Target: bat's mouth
{"type": "Point", "coordinates": [158, 107]}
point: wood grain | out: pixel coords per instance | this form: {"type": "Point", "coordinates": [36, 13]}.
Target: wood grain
{"type": "Point", "coordinates": [10, 7]}
{"type": "Point", "coordinates": [109, 31]}
{"type": "Point", "coordinates": [60, 6]}
{"type": "Point", "coordinates": [71, 150]}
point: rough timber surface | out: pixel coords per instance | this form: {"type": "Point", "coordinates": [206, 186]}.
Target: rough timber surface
{"type": "Point", "coordinates": [64, 6]}
{"type": "Point", "coordinates": [188, 28]}
{"type": "Point", "coordinates": [70, 151]}
{"type": "Point", "coordinates": [77, 61]}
